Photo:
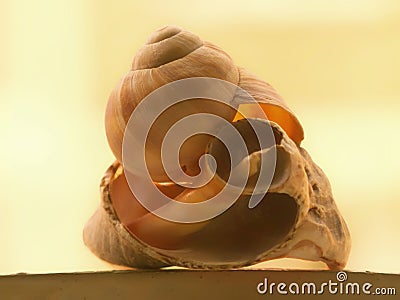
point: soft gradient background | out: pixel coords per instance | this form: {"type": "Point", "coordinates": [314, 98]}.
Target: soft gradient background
{"type": "Point", "coordinates": [337, 63]}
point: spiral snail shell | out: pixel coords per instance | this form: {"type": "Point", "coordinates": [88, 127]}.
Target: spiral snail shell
{"type": "Point", "coordinates": [171, 54]}
{"type": "Point", "coordinates": [295, 216]}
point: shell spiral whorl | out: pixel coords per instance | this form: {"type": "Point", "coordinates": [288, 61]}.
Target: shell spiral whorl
{"type": "Point", "coordinates": [164, 46]}
{"type": "Point", "coordinates": [169, 55]}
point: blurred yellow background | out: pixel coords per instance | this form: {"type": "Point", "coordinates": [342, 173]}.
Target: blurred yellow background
{"type": "Point", "coordinates": [337, 64]}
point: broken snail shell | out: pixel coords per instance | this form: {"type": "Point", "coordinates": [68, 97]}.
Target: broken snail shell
{"type": "Point", "coordinates": [295, 216]}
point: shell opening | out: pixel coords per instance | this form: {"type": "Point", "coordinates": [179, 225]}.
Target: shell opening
{"type": "Point", "coordinates": [242, 234]}
{"type": "Point", "coordinates": [238, 235]}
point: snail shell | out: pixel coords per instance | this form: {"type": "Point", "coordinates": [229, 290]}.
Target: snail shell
{"type": "Point", "coordinates": [170, 54]}
{"type": "Point", "coordinates": [292, 220]}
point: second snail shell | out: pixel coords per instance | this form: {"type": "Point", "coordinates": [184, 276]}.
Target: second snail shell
{"type": "Point", "coordinates": [170, 54]}
{"type": "Point", "coordinates": [298, 217]}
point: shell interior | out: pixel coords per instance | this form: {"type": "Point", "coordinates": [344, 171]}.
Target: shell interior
{"type": "Point", "coordinates": [240, 234]}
